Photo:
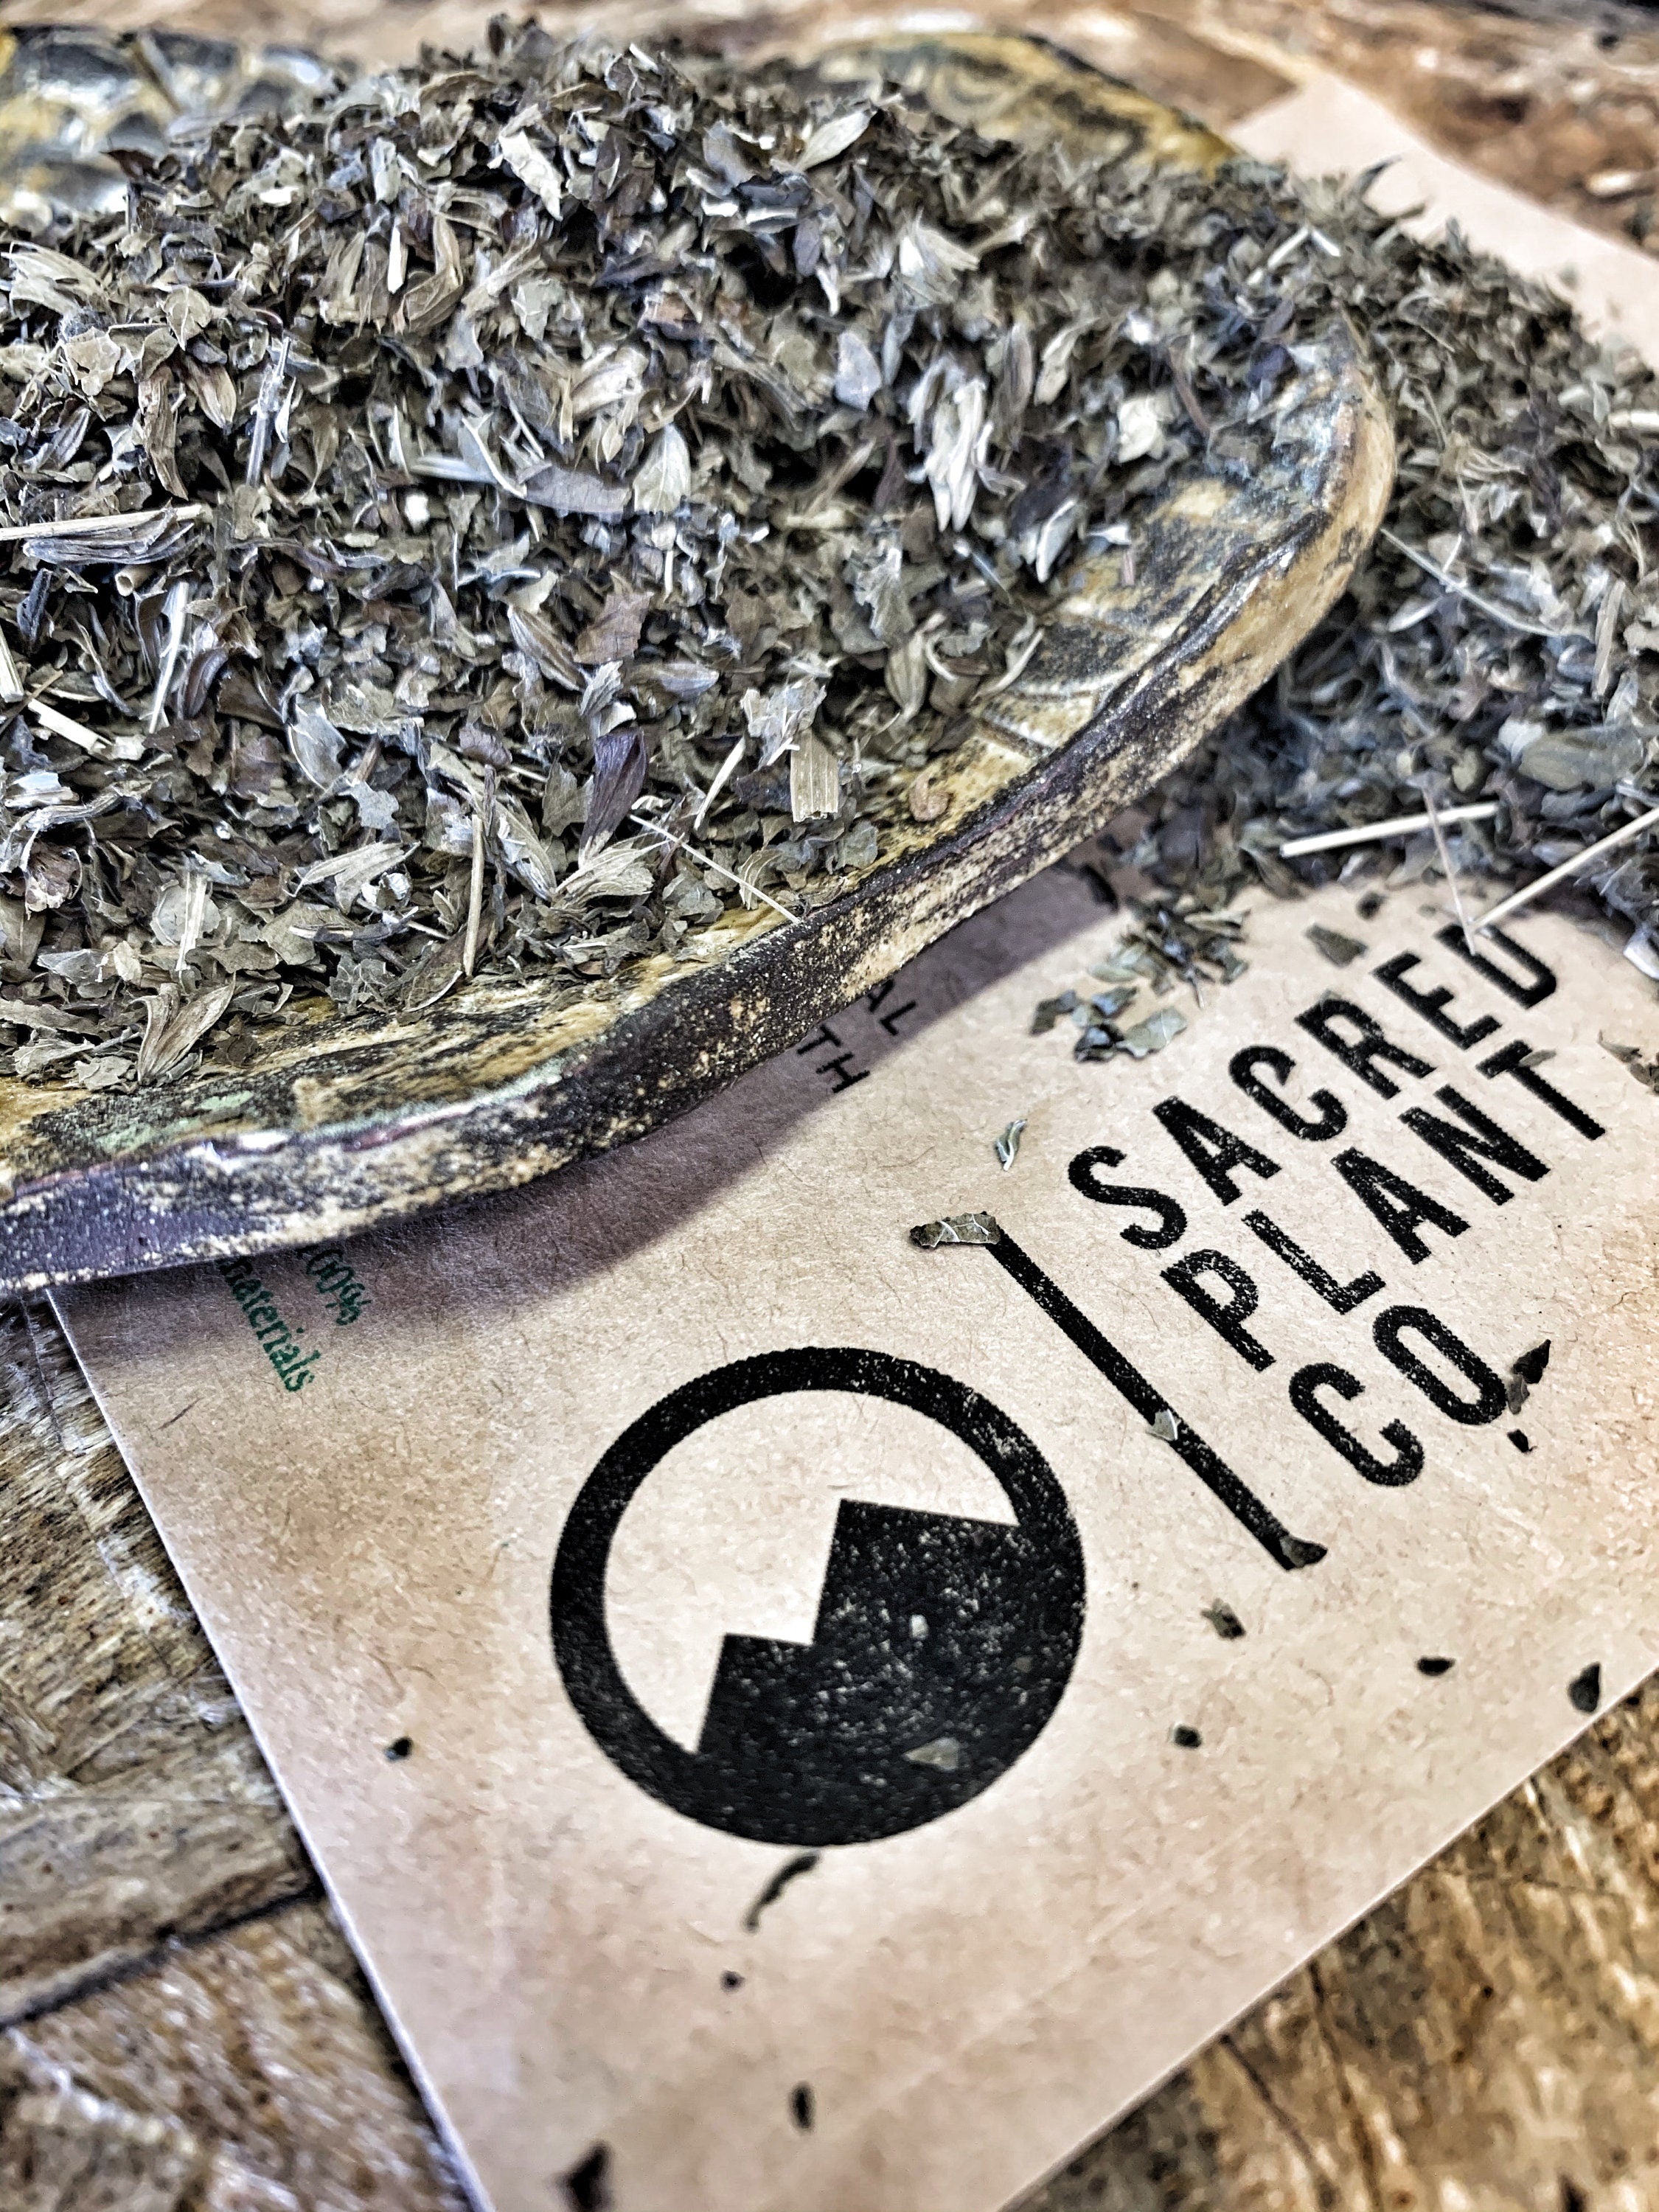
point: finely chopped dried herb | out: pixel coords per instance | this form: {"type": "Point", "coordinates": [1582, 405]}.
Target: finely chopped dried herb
{"type": "Point", "coordinates": [1501, 641]}
{"type": "Point", "coordinates": [499, 514]}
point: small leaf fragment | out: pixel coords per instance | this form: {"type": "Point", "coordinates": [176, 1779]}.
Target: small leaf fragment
{"type": "Point", "coordinates": [956, 1229]}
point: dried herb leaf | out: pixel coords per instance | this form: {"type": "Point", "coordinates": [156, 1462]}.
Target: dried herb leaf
{"type": "Point", "coordinates": [1342, 952]}
{"type": "Point", "coordinates": [1006, 1145]}
{"type": "Point", "coordinates": [956, 1229]}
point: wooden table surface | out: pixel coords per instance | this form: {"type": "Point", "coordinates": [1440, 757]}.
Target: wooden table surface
{"type": "Point", "coordinates": [182, 2025]}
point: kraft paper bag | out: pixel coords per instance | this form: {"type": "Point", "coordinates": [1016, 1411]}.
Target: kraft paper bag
{"type": "Point", "coordinates": [800, 1719]}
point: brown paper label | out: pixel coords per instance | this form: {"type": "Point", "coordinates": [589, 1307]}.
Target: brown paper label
{"type": "Point", "coordinates": [869, 1711]}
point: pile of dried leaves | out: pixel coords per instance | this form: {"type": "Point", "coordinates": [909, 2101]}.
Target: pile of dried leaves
{"type": "Point", "coordinates": [504, 513]}
{"type": "Point", "coordinates": [1501, 643]}
{"type": "Point", "coordinates": [500, 515]}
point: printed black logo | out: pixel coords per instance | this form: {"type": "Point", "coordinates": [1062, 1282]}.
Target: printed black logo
{"type": "Point", "coordinates": [942, 1644]}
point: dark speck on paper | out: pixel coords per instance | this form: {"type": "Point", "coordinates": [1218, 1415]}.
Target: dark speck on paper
{"type": "Point", "coordinates": [1526, 1374]}
{"type": "Point", "coordinates": [1585, 1689]}
{"type": "Point", "coordinates": [1224, 1621]}
{"type": "Point", "coordinates": [1370, 907]}
{"type": "Point", "coordinates": [1341, 951]}
{"type": "Point", "coordinates": [791, 1870]}
{"type": "Point", "coordinates": [1187, 1738]}
{"type": "Point", "coordinates": [1047, 1011]}
{"type": "Point", "coordinates": [1435, 1666]}
{"type": "Point", "coordinates": [587, 2187]}
{"type": "Point", "coordinates": [801, 2104]}
{"type": "Point", "coordinates": [400, 1747]}
{"type": "Point", "coordinates": [1520, 1439]}
{"type": "Point", "coordinates": [1299, 1552]}
{"type": "Point", "coordinates": [731, 1981]}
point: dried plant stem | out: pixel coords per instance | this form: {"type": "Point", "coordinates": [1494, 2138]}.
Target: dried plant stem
{"type": "Point", "coordinates": [1373, 833]}
{"type": "Point", "coordinates": [1517, 900]}
{"type": "Point", "coordinates": [475, 897]}
{"type": "Point", "coordinates": [1448, 870]}
{"type": "Point", "coordinates": [177, 604]}
{"type": "Point", "coordinates": [65, 725]}
{"type": "Point", "coordinates": [76, 525]}
{"type": "Point", "coordinates": [1488, 607]}
{"type": "Point", "coordinates": [705, 861]}
{"type": "Point", "coordinates": [1019, 653]}
{"type": "Point", "coordinates": [264, 411]}
{"type": "Point", "coordinates": [722, 776]}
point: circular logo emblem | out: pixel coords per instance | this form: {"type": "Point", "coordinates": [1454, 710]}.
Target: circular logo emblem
{"type": "Point", "coordinates": [941, 1645]}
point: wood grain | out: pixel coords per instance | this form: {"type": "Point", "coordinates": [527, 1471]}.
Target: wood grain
{"type": "Point", "coordinates": [246, 2074]}
{"type": "Point", "coordinates": [121, 1747]}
